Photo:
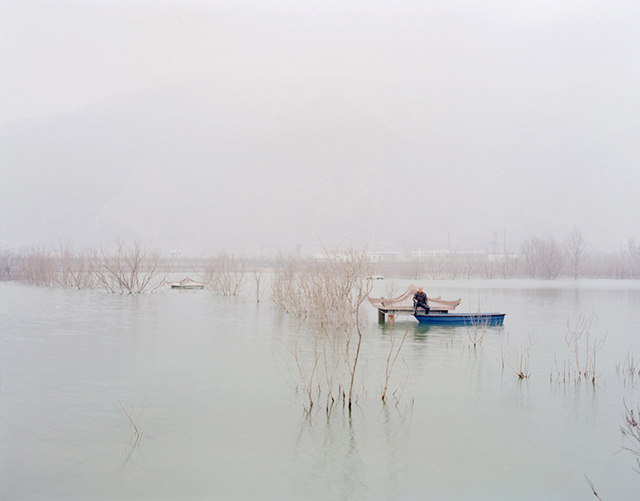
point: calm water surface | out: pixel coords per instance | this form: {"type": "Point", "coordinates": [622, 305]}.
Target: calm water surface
{"type": "Point", "coordinates": [212, 378]}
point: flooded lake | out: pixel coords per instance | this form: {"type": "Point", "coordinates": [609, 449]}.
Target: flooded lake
{"type": "Point", "coordinates": [210, 381]}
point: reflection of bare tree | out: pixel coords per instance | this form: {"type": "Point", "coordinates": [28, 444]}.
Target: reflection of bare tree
{"type": "Point", "coordinates": [394, 352]}
{"type": "Point", "coordinates": [329, 454]}
{"type": "Point", "coordinates": [133, 422]}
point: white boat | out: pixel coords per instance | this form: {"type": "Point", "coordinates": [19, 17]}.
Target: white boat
{"type": "Point", "coordinates": [187, 283]}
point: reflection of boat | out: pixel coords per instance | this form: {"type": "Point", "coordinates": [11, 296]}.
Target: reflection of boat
{"type": "Point", "coordinates": [480, 319]}
{"type": "Point", "coordinates": [187, 283]}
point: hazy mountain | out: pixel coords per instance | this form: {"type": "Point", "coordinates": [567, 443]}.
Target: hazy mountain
{"type": "Point", "coordinates": [274, 125]}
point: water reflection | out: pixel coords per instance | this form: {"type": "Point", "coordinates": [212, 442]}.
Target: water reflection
{"type": "Point", "coordinates": [332, 453]}
{"type": "Point", "coordinates": [131, 452]}
{"type": "Point", "coordinates": [223, 423]}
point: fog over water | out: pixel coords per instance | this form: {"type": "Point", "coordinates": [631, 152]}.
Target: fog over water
{"type": "Point", "coordinates": [201, 125]}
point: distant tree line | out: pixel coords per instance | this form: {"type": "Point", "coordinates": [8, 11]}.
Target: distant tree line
{"type": "Point", "coordinates": [537, 257]}
{"type": "Point", "coordinates": [128, 269]}
{"type": "Point", "coordinates": [134, 268]}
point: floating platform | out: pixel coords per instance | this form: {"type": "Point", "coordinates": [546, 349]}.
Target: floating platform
{"type": "Point", "coordinates": [404, 304]}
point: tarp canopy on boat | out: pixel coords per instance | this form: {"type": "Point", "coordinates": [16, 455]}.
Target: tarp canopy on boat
{"type": "Point", "coordinates": [405, 302]}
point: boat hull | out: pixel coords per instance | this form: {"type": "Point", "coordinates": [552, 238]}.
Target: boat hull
{"type": "Point", "coordinates": [461, 318]}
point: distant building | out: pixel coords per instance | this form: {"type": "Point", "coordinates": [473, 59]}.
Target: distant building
{"type": "Point", "coordinates": [419, 254]}
{"type": "Point", "coordinates": [384, 257]}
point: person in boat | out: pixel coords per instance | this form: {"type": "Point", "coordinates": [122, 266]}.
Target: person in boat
{"type": "Point", "coordinates": [420, 301]}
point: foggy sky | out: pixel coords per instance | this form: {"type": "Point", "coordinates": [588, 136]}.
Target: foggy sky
{"type": "Point", "coordinates": [201, 125]}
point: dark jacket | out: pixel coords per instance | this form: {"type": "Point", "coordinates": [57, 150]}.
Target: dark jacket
{"type": "Point", "coordinates": [420, 297]}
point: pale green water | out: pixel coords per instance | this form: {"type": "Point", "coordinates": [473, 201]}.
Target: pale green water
{"type": "Point", "coordinates": [221, 422]}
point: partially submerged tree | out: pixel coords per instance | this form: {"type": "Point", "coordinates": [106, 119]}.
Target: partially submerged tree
{"type": "Point", "coordinates": [542, 257]}
{"type": "Point", "coordinates": [327, 295]}
{"type": "Point", "coordinates": [131, 269]}
{"type": "Point", "coordinates": [530, 250]}
{"type": "Point", "coordinates": [258, 267]}
{"type": "Point", "coordinates": [633, 257]}
{"type": "Point", "coordinates": [224, 274]}
{"type": "Point", "coordinates": [9, 261]}
{"type": "Point", "coordinates": [575, 247]}
{"type": "Point", "coordinates": [37, 266]}
{"type": "Point", "coordinates": [74, 270]}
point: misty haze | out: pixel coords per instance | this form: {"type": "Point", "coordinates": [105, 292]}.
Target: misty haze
{"type": "Point", "coordinates": [197, 126]}
{"type": "Point", "coordinates": [214, 216]}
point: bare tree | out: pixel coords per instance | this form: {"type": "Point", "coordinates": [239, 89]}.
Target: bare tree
{"type": "Point", "coordinates": [131, 269]}
{"type": "Point", "coordinates": [509, 264]}
{"type": "Point", "coordinates": [488, 266]}
{"type": "Point", "coordinates": [517, 358]}
{"type": "Point", "coordinates": [530, 249]}
{"type": "Point", "coordinates": [575, 247]}
{"type": "Point", "coordinates": [436, 266]}
{"type": "Point", "coordinates": [258, 267]}
{"type": "Point", "coordinates": [390, 289]}
{"type": "Point", "coordinates": [284, 293]}
{"type": "Point", "coordinates": [74, 269]}
{"type": "Point", "coordinates": [552, 258]}
{"type": "Point", "coordinates": [413, 269]}
{"type": "Point", "coordinates": [8, 264]}
{"type": "Point", "coordinates": [224, 274]}
{"type": "Point", "coordinates": [630, 430]}
{"type": "Point", "coordinates": [328, 296]}
{"type": "Point", "coordinates": [633, 257]}
{"type": "Point", "coordinates": [470, 264]}
{"type": "Point", "coordinates": [37, 266]}
{"type": "Point", "coordinates": [453, 265]}
{"type": "Point", "coordinates": [576, 334]}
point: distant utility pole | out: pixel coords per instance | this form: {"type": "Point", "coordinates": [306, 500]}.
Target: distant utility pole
{"type": "Point", "coordinates": [448, 239]}
{"type": "Point", "coordinates": [495, 242]}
